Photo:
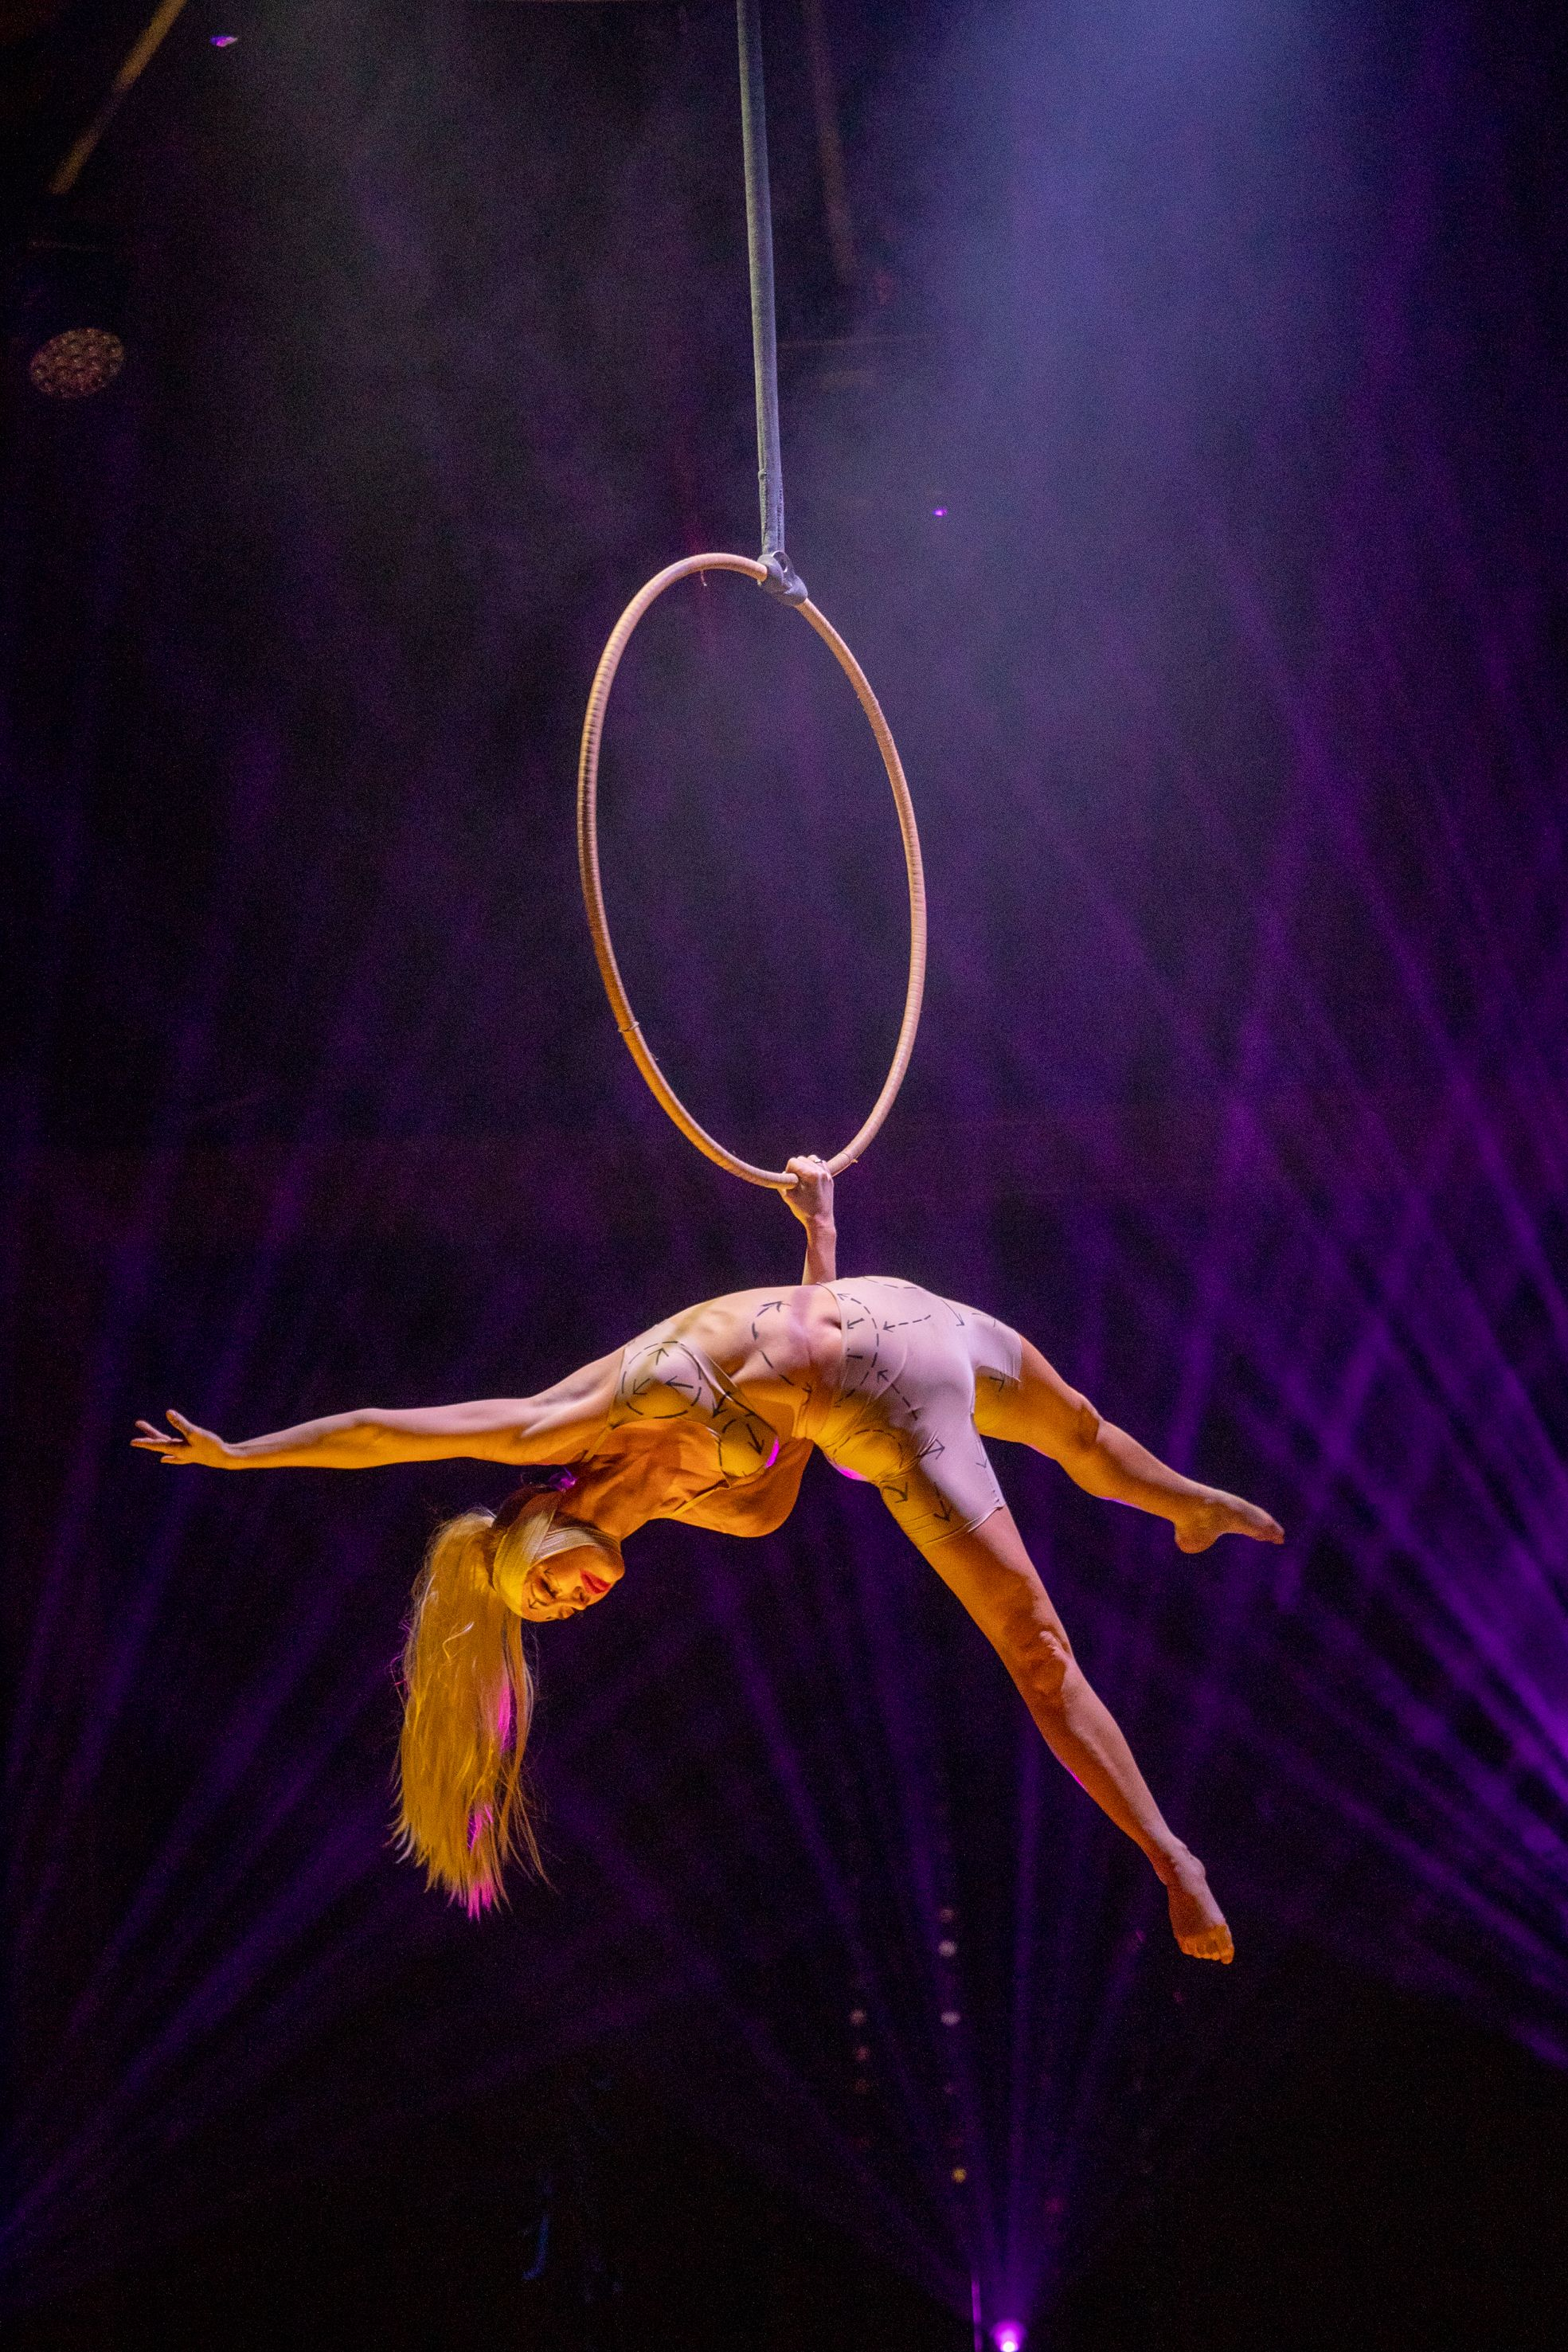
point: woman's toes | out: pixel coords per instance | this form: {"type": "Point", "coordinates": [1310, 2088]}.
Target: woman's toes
{"type": "Point", "coordinates": [1210, 1943]}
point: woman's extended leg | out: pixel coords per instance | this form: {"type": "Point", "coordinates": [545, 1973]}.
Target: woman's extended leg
{"type": "Point", "coordinates": [994, 1579]}
{"type": "Point", "coordinates": [1043, 1412]}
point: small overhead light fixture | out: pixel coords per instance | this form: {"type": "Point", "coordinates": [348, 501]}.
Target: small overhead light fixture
{"type": "Point", "coordinates": [65, 322]}
{"type": "Point", "coordinates": [71, 366]}
{"type": "Point", "coordinates": [223, 40]}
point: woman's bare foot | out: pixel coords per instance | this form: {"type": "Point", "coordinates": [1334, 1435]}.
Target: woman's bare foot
{"type": "Point", "coordinates": [1197, 1920]}
{"type": "Point", "coordinates": [1212, 1514]}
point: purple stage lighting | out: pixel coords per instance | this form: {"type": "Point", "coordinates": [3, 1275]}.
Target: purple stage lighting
{"type": "Point", "coordinates": [1241, 1092]}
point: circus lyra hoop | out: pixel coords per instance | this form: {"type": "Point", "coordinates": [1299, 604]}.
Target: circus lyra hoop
{"type": "Point", "coordinates": [593, 891]}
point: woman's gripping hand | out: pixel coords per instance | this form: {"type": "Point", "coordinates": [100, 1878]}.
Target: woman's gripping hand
{"type": "Point", "coordinates": [811, 1197]}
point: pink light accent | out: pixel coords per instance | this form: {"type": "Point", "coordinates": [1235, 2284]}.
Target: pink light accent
{"type": "Point", "coordinates": [858, 1475]}
{"type": "Point", "coordinates": [939, 512]}
{"type": "Point", "coordinates": [504, 1717]}
{"type": "Point", "coordinates": [1008, 2336]}
{"type": "Point", "coordinates": [224, 40]}
{"type": "Point", "coordinates": [774, 1456]}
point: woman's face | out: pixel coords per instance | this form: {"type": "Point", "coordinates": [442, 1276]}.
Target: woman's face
{"type": "Point", "coordinates": [570, 1582]}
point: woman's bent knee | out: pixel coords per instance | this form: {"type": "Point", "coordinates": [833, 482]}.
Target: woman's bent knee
{"type": "Point", "coordinates": [1043, 1666]}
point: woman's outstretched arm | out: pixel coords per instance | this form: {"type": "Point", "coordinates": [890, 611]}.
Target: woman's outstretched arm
{"type": "Point", "coordinates": [558, 1425]}
{"type": "Point", "coordinates": [811, 1201]}
{"type": "Point", "coordinates": [993, 1576]}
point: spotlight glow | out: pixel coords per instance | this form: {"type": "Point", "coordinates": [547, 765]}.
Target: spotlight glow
{"type": "Point", "coordinates": [1008, 2336]}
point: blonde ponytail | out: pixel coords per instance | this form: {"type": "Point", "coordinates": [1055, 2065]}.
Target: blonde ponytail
{"type": "Point", "coordinates": [468, 1700]}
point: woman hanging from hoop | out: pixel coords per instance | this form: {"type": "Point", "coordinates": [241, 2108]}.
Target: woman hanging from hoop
{"type": "Point", "coordinates": [709, 1419]}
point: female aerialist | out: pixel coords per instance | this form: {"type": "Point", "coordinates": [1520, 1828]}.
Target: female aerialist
{"type": "Point", "coordinates": [709, 1419]}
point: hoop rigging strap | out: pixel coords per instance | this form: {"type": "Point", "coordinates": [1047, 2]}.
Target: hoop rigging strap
{"type": "Point", "coordinates": [626, 1020]}
{"type": "Point", "coordinates": [781, 578]}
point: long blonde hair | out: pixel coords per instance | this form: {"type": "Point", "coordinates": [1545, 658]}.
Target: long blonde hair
{"type": "Point", "coordinates": [463, 1807]}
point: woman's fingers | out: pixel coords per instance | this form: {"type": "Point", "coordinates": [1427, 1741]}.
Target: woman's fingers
{"type": "Point", "coordinates": [170, 1445]}
{"type": "Point", "coordinates": [810, 1189]}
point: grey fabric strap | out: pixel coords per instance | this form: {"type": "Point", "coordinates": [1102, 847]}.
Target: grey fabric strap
{"type": "Point", "coordinates": [782, 580]}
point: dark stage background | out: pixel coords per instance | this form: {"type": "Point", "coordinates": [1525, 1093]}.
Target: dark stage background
{"type": "Point", "coordinates": [1175, 426]}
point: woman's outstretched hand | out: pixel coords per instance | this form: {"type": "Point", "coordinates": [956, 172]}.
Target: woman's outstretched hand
{"type": "Point", "coordinates": [184, 1442]}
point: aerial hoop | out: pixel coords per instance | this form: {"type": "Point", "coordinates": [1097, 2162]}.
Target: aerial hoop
{"type": "Point", "coordinates": [777, 1178]}
{"type": "Point", "coordinates": [774, 571]}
